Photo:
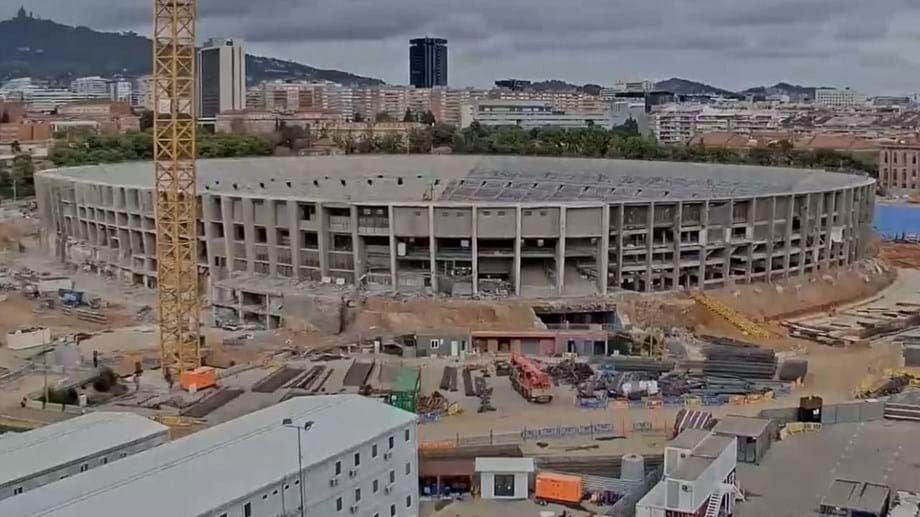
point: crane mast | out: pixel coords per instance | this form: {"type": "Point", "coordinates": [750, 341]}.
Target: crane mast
{"type": "Point", "coordinates": [174, 126]}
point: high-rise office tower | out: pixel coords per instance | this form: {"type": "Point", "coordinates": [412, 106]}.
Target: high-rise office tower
{"type": "Point", "coordinates": [221, 77]}
{"type": "Point", "coordinates": [428, 62]}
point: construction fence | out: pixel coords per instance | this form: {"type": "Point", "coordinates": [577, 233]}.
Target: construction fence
{"type": "Point", "coordinates": [847, 412]}
{"type": "Point", "coordinates": [623, 427]}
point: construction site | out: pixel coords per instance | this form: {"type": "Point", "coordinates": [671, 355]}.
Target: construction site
{"type": "Point", "coordinates": [519, 335]}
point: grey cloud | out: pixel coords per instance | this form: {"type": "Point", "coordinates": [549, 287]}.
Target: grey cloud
{"type": "Point", "coordinates": [734, 43]}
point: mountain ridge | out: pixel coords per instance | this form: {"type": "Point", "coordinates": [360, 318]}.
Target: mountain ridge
{"type": "Point", "coordinates": [45, 49]}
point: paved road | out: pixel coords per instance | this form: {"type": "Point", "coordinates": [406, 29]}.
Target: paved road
{"type": "Point", "coordinates": [797, 472]}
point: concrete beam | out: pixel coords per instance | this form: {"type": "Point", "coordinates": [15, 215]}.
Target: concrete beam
{"type": "Point", "coordinates": [603, 269]}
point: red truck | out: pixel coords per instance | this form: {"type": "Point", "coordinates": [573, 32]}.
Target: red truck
{"type": "Point", "coordinates": [530, 381]}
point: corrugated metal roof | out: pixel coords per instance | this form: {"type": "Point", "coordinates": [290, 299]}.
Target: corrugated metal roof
{"type": "Point", "coordinates": [504, 465]}
{"type": "Point", "coordinates": [689, 438]}
{"type": "Point", "coordinates": [195, 474]}
{"type": "Point", "coordinates": [46, 448]}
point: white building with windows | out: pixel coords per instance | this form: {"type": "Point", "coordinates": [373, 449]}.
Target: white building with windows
{"type": "Point", "coordinates": [95, 86]}
{"type": "Point", "coordinates": [839, 97]}
{"type": "Point", "coordinates": [504, 478]}
{"type": "Point", "coordinates": [532, 114]}
{"type": "Point", "coordinates": [698, 479]}
{"type": "Point", "coordinates": [48, 454]}
{"type": "Point", "coordinates": [359, 458]}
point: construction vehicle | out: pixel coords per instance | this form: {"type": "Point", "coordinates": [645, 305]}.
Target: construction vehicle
{"type": "Point", "coordinates": [176, 199]}
{"type": "Point", "coordinates": [530, 381]}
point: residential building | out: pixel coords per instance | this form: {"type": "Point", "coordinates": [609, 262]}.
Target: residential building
{"type": "Point", "coordinates": [142, 92]}
{"type": "Point", "coordinates": [253, 122]}
{"type": "Point", "coordinates": [531, 114]}
{"type": "Point", "coordinates": [120, 90]}
{"type": "Point", "coordinates": [338, 454]}
{"type": "Point", "coordinates": [95, 86]}
{"type": "Point", "coordinates": [103, 116]}
{"type": "Point", "coordinates": [675, 123]}
{"type": "Point", "coordinates": [55, 452]}
{"type": "Point", "coordinates": [295, 95]}
{"type": "Point", "coordinates": [679, 123]}
{"type": "Point", "coordinates": [633, 86]}
{"type": "Point", "coordinates": [897, 166]}
{"type": "Point", "coordinates": [38, 96]}
{"type": "Point", "coordinates": [428, 62]}
{"type": "Point", "coordinates": [698, 478]}
{"type": "Point", "coordinates": [221, 77]}
{"type": "Point", "coordinates": [839, 97]}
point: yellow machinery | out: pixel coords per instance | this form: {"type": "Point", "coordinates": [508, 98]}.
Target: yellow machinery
{"type": "Point", "coordinates": [748, 327]}
{"type": "Point", "coordinates": [174, 126]}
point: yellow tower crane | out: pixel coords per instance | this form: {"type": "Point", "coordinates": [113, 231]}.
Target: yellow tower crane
{"type": "Point", "coordinates": [174, 126]}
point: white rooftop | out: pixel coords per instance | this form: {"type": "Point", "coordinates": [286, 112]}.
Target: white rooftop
{"type": "Point", "coordinates": [192, 475]}
{"type": "Point", "coordinates": [49, 447]}
{"type": "Point", "coordinates": [504, 465]}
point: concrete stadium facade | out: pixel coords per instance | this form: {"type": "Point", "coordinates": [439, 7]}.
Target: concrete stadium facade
{"type": "Point", "coordinates": [473, 225]}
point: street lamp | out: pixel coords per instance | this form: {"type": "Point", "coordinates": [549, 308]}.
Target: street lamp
{"type": "Point", "coordinates": [287, 422]}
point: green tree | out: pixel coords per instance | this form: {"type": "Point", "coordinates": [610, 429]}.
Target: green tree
{"type": "Point", "coordinates": [22, 173]}
{"type": "Point", "coordinates": [409, 116]}
{"type": "Point", "coordinates": [383, 116]}
{"type": "Point", "coordinates": [16, 147]}
{"type": "Point", "coordinates": [428, 118]}
{"type": "Point", "coordinates": [420, 141]}
{"type": "Point", "coordinates": [359, 117]}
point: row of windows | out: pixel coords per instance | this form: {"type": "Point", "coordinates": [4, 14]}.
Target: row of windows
{"type": "Point", "coordinates": [83, 468]}
{"type": "Point", "coordinates": [356, 459]}
{"type": "Point", "coordinates": [894, 157]}
{"type": "Point", "coordinates": [339, 502]}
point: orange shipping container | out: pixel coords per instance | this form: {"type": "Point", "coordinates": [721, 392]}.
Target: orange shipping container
{"type": "Point", "coordinates": [200, 378]}
{"type": "Point", "coordinates": [558, 487]}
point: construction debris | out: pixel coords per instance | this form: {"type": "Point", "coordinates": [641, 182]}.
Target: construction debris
{"type": "Point", "coordinates": [569, 372]}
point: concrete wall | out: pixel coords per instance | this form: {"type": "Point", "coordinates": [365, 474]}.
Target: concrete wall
{"type": "Point", "coordinates": [322, 498]}
{"type": "Point", "coordinates": [28, 338]}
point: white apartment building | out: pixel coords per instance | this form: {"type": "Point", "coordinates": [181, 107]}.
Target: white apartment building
{"type": "Point", "coordinates": [142, 93]}
{"type": "Point", "coordinates": [120, 90]}
{"type": "Point", "coordinates": [839, 97]}
{"type": "Point", "coordinates": [679, 123]}
{"type": "Point", "coordinates": [95, 86]}
{"type": "Point", "coordinates": [221, 77]}
{"type": "Point", "coordinates": [531, 114]}
{"type": "Point", "coordinates": [698, 478]}
{"type": "Point", "coordinates": [342, 455]}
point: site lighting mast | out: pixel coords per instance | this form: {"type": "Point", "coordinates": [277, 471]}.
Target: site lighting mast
{"type": "Point", "coordinates": [174, 125]}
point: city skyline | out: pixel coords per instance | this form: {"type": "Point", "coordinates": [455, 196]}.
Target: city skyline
{"type": "Point", "coordinates": [730, 44]}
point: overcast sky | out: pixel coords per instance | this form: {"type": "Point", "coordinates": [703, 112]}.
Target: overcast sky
{"type": "Point", "coordinates": [870, 45]}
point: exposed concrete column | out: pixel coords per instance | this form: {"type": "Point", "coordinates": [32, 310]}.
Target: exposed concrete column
{"type": "Point", "coordinates": [749, 234]}
{"type": "Point", "coordinates": [250, 229]}
{"type": "Point", "coordinates": [294, 231]}
{"type": "Point", "coordinates": [226, 212]}
{"type": "Point", "coordinates": [391, 222]}
{"type": "Point", "coordinates": [649, 245]}
{"type": "Point", "coordinates": [770, 236]}
{"type": "Point", "coordinates": [848, 225]}
{"type": "Point", "coordinates": [828, 228]}
{"type": "Point", "coordinates": [206, 204]}
{"type": "Point", "coordinates": [805, 232]}
{"type": "Point", "coordinates": [704, 242]}
{"type": "Point", "coordinates": [603, 269]}
{"type": "Point", "coordinates": [727, 232]}
{"type": "Point", "coordinates": [678, 223]}
{"type": "Point", "coordinates": [271, 234]}
{"type": "Point", "coordinates": [474, 246]}
{"type": "Point", "coordinates": [357, 248]}
{"type": "Point", "coordinates": [322, 237]}
{"type": "Point", "coordinates": [560, 253]}
{"type": "Point", "coordinates": [517, 250]}
{"type": "Point", "coordinates": [432, 250]}
{"type": "Point", "coordinates": [621, 224]}
{"type": "Point", "coordinates": [790, 214]}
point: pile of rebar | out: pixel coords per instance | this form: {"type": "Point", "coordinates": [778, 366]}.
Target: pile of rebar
{"type": "Point", "coordinates": [569, 372]}
{"type": "Point", "coordinates": [739, 361]}
{"type": "Point", "coordinates": [622, 363]}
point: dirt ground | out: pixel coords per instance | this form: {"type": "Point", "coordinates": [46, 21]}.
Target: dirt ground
{"type": "Point", "coordinates": [903, 255]}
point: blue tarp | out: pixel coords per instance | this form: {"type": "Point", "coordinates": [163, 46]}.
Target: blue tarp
{"type": "Point", "coordinates": [893, 221]}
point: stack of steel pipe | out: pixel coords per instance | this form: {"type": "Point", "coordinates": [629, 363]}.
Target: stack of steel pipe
{"type": "Point", "coordinates": [622, 363]}
{"type": "Point", "coordinates": [739, 361]}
